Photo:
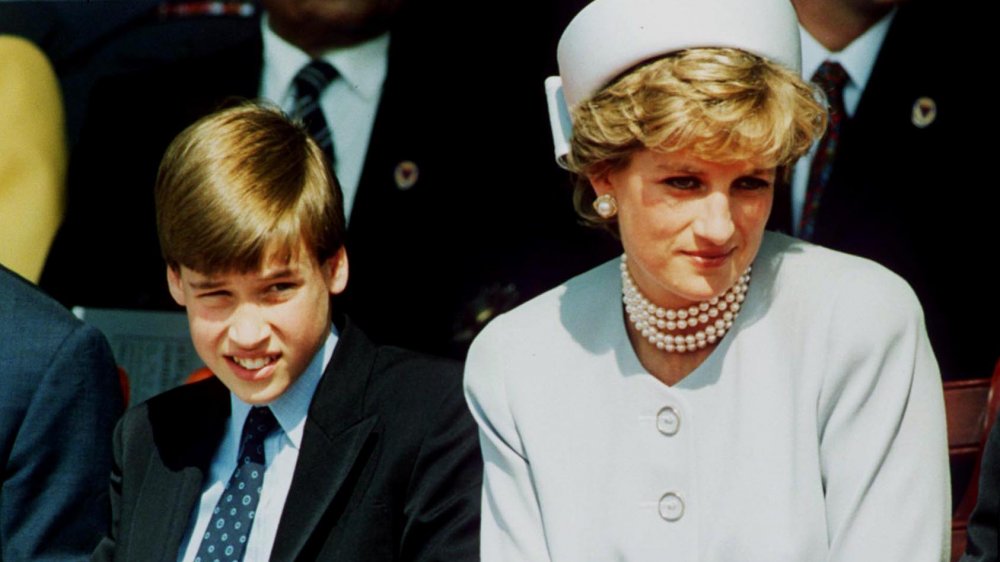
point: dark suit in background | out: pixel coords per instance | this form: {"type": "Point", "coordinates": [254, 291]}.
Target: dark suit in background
{"type": "Point", "coordinates": [487, 225]}
{"type": "Point", "coordinates": [59, 400]}
{"type": "Point", "coordinates": [389, 467]}
{"type": "Point", "coordinates": [919, 200]}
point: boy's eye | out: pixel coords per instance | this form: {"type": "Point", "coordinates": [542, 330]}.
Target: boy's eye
{"type": "Point", "coordinates": [214, 295]}
{"type": "Point", "coordinates": [683, 182]}
{"type": "Point", "coordinates": [281, 287]}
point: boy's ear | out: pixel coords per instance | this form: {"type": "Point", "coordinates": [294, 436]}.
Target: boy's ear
{"type": "Point", "coordinates": [336, 271]}
{"type": "Point", "coordinates": [175, 285]}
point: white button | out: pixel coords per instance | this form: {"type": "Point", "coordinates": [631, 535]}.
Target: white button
{"type": "Point", "coordinates": [671, 507]}
{"type": "Point", "coordinates": [667, 421]}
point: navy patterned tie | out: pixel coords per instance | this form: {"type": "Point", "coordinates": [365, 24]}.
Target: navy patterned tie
{"type": "Point", "coordinates": [225, 539]}
{"type": "Point", "coordinates": [832, 78]}
{"type": "Point", "coordinates": [309, 85]}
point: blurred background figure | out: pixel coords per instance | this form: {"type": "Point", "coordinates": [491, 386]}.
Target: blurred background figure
{"type": "Point", "coordinates": [894, 178]}
{"type": "Point", "coordinates": [61, 395]}
{"type": "Point", "coordinates": [32, 156]}
{"type": "Point", "coordinates": [441, 240]}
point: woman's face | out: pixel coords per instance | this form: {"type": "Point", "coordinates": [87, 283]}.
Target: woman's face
{"type": "Point", "coordinates": [690, 226]}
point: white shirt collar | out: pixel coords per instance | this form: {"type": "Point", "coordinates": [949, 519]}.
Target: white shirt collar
{"type": "Point", "coordinates": [363, 66]}
{"type": "Point", "coordinates": [292, 407]}
{"type": "Point", "coordinates": [858, 58]}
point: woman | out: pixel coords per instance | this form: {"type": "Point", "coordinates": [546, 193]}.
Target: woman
{"type": "Point", "coordinates": [755, 397]}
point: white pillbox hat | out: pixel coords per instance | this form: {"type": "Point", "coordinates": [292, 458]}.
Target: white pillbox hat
{"type": "Point", "coordinates": [608, 37]}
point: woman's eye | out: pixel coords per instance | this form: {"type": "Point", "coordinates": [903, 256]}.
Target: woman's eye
{"type": "Point", "coordinates": [683, 182]}
{"type": "Point", "coordinates": [751, 183]}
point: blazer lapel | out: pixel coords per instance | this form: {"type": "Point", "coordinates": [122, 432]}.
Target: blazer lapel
{"type": "Point", "coordinates": [334, 441]}
{"type": "Point", "coordinates": [172, 483]}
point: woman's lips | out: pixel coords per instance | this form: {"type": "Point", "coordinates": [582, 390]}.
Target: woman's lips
{"type": "Point", "coordinates": [710, 258]}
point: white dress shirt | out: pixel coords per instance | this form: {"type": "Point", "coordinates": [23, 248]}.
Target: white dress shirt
{"type": "Point", "coordinates": [349, 103]}
{"type": "Point", "coordinates": [858, 59]}
{"type": "Point", "coordinates": [281, 451]}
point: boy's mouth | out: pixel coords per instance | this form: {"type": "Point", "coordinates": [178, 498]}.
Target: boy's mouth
{"type": "Point", "coordinates": [254, 363]}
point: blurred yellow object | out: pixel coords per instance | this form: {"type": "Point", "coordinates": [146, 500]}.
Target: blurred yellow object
{"type": "Point", "coordinates": [32, 156]}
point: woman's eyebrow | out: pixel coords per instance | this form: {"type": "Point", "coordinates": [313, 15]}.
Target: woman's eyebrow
{"type": "Point", "coordinates": [679, 168]}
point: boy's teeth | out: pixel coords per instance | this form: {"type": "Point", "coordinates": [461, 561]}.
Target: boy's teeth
{"type": "Point", "coordinates": [252, 363]}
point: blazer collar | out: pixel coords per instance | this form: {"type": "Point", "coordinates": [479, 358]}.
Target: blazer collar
{"type": "Point", "coordinates": [336, 432]}
{"type": "Point", "coordinates": [172, 487]}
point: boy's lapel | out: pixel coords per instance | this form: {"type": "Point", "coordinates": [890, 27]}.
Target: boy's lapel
{"type": "Point", "coordinates": [336, 432]}
{"type": "Point", "coordinates": [172, 486]}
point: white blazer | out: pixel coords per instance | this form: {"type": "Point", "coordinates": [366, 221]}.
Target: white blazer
{"type": "Point", "coordinates": [814, 431]}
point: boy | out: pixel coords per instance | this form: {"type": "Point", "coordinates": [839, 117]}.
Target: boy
{"type": "Point", "coordinates": [311, 443]}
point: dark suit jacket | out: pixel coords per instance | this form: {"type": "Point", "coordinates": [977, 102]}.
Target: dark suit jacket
{"type": "Point", "coordinates": [484, 227]}
{"type": "Point", "coordinates": [389, 467]}
{"type": "Point", "coordinates": [916, 199]}
{"type": "Point", "coordinates": [984, 524]}
{"type": "Point", "coordinates": [59, 401]}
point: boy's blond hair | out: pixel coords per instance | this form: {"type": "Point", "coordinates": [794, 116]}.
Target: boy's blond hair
{"type": "Point", "coordinates": [241, 184]}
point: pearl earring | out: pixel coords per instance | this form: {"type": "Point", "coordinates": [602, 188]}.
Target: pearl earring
{"type": "Point", "coordinates": [606, 206]}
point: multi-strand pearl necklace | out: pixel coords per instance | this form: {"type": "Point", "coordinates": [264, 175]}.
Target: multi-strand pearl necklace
{"type": "Point", "coordinates": [716, 314]}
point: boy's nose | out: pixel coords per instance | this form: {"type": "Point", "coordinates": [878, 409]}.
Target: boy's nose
{"type": "Point", "coordinates": [249, 328]}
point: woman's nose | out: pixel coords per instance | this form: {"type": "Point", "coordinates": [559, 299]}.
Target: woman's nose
{"type": "Point", "coordinates": [248, 328]}
{"type": "Point", "coordinates": [715, 219]}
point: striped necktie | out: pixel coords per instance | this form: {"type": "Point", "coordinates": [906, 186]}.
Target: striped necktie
{"type": "Point", "coordinates": [832, 78]}
{"type": "Point", "coordinates": [309, 85]}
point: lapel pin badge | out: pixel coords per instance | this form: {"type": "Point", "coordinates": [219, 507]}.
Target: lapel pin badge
{"type": "Point", "coordinates": [406, 174]}
{"type": "Point", "coordinates": [924, 112]}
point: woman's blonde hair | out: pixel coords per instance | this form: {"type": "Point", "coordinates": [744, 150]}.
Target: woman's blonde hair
{"type": "Point", "coordinates": [721, 104]}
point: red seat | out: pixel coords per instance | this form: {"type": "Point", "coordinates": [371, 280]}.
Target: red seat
{"type": "Point", "coordinates": [199, 375]}
{"type": "Point", "coordinates": [971, 407]}
{"type": "Point", "coordinates": [123, 381]}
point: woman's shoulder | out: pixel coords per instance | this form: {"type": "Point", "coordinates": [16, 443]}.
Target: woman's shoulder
{"type": "Point", "coordinates": [561, 318]}
{"type": "Point", "coordinates": [796, 263]}
{"type": "Point", "coordinates": [836, 319]}
{"type": "Point", "coordinates": [811, 277]}
{"type": "Point", "coordinates": [531, 355]}
{"type": "Point", "coordinates": [597, 286]}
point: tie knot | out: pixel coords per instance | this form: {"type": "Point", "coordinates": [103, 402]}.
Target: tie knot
{"type": "Point", "coordinates": [260, 423]}
{"type": "Point", "coordinates": [313, 78]}
{"type": "Point", "coordinates": [832, 78]}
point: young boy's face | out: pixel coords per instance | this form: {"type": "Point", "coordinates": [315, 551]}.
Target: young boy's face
{"type": "Point", "coordinates": [258, 331]}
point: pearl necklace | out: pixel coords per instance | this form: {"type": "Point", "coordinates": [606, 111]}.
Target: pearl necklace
{"type": "Point", "coordinates": [716, 314]}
